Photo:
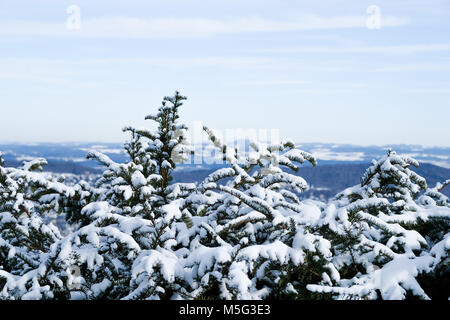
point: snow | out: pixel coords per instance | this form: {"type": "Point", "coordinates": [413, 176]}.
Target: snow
{"type": "Point", "coordinates": [138, 180]}
{"type": "Point", "coordinates": [243, 230]}
{"type": "Point", "coordinates": [276, 251]}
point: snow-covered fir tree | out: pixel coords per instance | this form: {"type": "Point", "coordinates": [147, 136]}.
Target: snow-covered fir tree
{"type": "Point", "coordinates": [374, 228]}
{"type": "Point", "coordinates": [241, 233]}
{"type": "Point", "coordinates": [247, 234]}
{"type": "Point", "coordinates": [32, 264]}
{"type": "Point", "coordinates": [127, 228]}
{"type": "Point", "coordinates": [434, 225]}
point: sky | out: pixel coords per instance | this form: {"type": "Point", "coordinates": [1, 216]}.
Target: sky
{"type": "Point", "coordinates": [359, 72]}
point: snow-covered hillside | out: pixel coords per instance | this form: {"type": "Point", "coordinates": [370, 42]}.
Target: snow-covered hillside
{"type": "Point", "coordinates": [325, 153]}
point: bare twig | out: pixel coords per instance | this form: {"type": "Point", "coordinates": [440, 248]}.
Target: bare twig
{"type": "Point", "coordinates": [444, 186]}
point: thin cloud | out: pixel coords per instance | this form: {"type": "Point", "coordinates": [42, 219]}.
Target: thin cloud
{"type": "Point", "coordinates": [415, 67]}
{"type": "Point", "coordinates": [428, 90]}
{"type": "Point", "coordinates": [129, 27]}
{"type": "Point", "coordinates": [391, 49]}
{"type": "Point", "coordinates": [157, 61]}
{"type": "Point", "coordinates": [323, 91]}
{"type": "Point", "coordinates": [269, 83]}
{"type": "Point", "coordinates": [70, 71]}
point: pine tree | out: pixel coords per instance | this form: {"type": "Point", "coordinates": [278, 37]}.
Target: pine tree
{"type": "Point", "coordinates": [32, 265]}
{"type": "Point", "coordinates": [248, 231]}
{"type": "Point", "coordinates": [435, 226]}
{"type": "Point", "coordinates": [374, 230]}
{"type": "Point", "coordinates": [241, 233]}
{"type": "Point", "coordinates": [167, 146]}
{"type": "Point", "coordinates": [128, 224]}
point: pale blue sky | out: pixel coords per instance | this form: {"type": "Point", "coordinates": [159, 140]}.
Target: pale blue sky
{"type": "Point", "coordinates": [309, 68]}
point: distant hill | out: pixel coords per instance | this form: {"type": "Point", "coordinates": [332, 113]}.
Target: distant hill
{"type": "Point", "coordinates": [337, 177]}
{"type": "Point", "coordinates": [326, 153]}
{"type": "Point", "coordinates": [61, 167]}
{"type": "Point", "coordinates": [327, 180]}
{"type": "Point", "coordinates": [340, 166]}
